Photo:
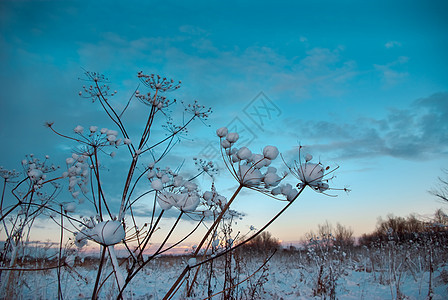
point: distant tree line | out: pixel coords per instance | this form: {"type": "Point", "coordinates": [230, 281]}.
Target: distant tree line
{"type": "Point", "coordinates": [403, 229]}
{"type": "Point", "coordinates": [328, 235]}
{"type": "Point", "coordinates": [398, 229]}
{"type": "Point", "coordinates": [264, 243]}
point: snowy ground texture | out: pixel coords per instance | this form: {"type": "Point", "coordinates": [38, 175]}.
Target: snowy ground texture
{"type": "Point", "coordinates": [361, 274]}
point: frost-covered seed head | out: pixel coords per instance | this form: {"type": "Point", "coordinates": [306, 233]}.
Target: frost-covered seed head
{"type": "Point", "coordinates": [276, 191]}
{"type": "Point", "coordinates": [108, 233]}
{"type": "Point", "coordinates": [286, 189]}
{"type": "Point", "coordinates": [259, 161]}
{"type": "Point", "coordinates": [188, 201]}
{"type": "Point", "coordinates": [165, 178]}
{"type": "Point", "coordinates": [157, 184]}
{"type": "Point", "coordinates": [244, 153]}
{"type": "Point", "coordinates": [308, 157]}
{"type": "Point", "coordinates": [35, 174]}
{"type": "Point", "coordinates": [225, 144]}
{"type": "Point", "coordinates": [112, 132]}
{"type": "Point", "coordinates": [178, 181]}
{"type": "Point", "coordinates": [79, 129]}
{"type": "Point", "coordinates": [310, 173]}
{"type": "Point", "coordinates": [222, 132]}
{"type": "Point", "coordinates": [69, 207]}
{"type": "Point", "coordinates": [271, 170]}
{"type": "Point", "coordinates": [323, 186]}
{"type": "Point", "coordinates": [208, 195]}
{"type": "Point", "coordinates": [232, 137]}
{"type": "Point", "coordinates": [221, 200]}
{"type": "Point", "coordinates": [270, 152]}
{"type": "Point", "coordinates": [271, 179]}
{"type": "Point", "coordinates": [166, 200]}
{"type": "Point", "coordinates": [249, 176]}
{"type": "Point", "coordinates": [190, 186]}
{"type": "Point", "coordinates": [291, 194]}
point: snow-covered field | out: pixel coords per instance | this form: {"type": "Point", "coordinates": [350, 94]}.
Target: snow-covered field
{"type": "Point", "coordinates": [360, 274]}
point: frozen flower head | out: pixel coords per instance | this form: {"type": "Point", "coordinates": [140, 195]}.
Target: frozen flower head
{"type": "Point", "coordinates": [206, 167]}
{"type": "Point", "coordinates": [35, 174]}
{"type": "Point", "coordinates": [157, 184]}
{"type": "Point", "coordinates": [249, 176]}
{"type": "Point", "coordinates": [198, 110]}
{"type": "Point", "coordinates": [156, 100]}
{"type": "Point", "coordinates": [78, 129]}
{"type": "Point", "coordinates": [249, 168]}
{"type": "Point", "coordinates": [166, 200]}
{"type": "Point", "coordinates": [187, 202]}
{"type": "Point", "coordinates": [158, 83]}
{"type": "Point", "coordinates": [270, 152]}
{"type": "Point", "coordinates": [69, 207]}
{"type": "Point", "coordinates": [80, 239]}
{"type": "Point", "coordinates": [222, 132]}
{"type": "Point", "coordinates": [213, 200]}
{"type": "Point", "coordinates": [106, 233]}
{"type": "Point", "coordinates": [172, 190]}
{"type": "Point", "coordinates": [92, 143]}
{"type": "Point", "coordinates": [244, 153]}
{"type": "Point", "coordinates": [35, 169]}
{"type": "Point", "coordinates": [93, 129]}
{"type": "Point", "coordinates": [225, 144]}
{"type": "Point", "coordinates": [311, 174]}
{"type": "Point", "coordinates": [232, 137]}
{"type": "Point", "coordinates": [97, 90]}
{"type": "Point", "coordinates": [8, 175]}
{"type": "Point", "coordinates": [78, 174]}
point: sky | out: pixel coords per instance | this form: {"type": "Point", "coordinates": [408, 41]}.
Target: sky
{"type": "Point", "coordinates": [361, 85]}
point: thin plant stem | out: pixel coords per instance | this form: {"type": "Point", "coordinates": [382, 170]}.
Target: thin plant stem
{"type": "Point", "coordinates": [98, 275]}
{"type": "Point", "coordinates": [255, 234]}
{"type": "Point", "coordinates": [199, 268]}
{"type": "Point", "coordinates": [3, 195]}
{"type": "Point", "coordinates": [60, 256]}
{"type": "Point", "coordinates": [187, 268]}
{"type": "Point", "coordinates": [130, 276]}
{"type": "Point", "coordinates": [246, 279]}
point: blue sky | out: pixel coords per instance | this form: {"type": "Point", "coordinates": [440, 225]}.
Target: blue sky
{"type": "Point", "coordinates": [362, 84]}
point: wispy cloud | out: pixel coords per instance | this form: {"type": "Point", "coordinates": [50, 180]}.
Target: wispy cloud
{"type": "Point", "coordinates": [193, 30]}
{"type": "Point", "coordinates": [417, 132]}
{"type": "Point", "coordinates": [393, 72]}
{"type": "Point", "coordinates": [192, 52]}
{"type": "Point", "coordinates": [392, 44]}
